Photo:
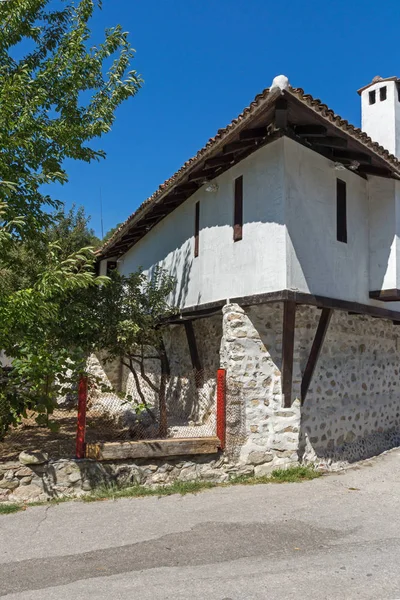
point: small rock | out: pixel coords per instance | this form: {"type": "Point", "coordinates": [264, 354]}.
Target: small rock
{"type": "Point", "coordinates": [23, 472]}
{"type": "Point", "coordinates": [26, 480]}
{"type": "Point", "coordinates": [261, 470]}
{"type": "Point", "coordinates": [86, 486]}
{"type": "Point", "coordinates": [26, 493]}
{"type": "Point", "coordinates": [33, 458]}
{"type": "Point", "coordinates": [258, 458]}
{"type": "Point", "coordinates": [74, 477]}
{"type": "Point", "coordinates": [9, 485]}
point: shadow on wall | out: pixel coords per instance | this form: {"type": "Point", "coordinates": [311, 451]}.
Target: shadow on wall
{"type": "Point", "coordinates": [352, 410]}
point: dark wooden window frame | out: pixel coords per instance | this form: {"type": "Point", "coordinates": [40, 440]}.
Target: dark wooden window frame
{"type": "Point", "coordinates": [196, 229]}
{"type": "Point", "coordinates": [238, 210]}
{"type": "Point", "coordinates": [372, 97]}
{"type": "Point", "coordinates": [382, 93]}
{"type": "Point", "coordinates": [341, 211]}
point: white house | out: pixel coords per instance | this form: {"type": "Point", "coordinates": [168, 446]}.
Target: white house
{"type": "Point", "coordinates": [283, 234]}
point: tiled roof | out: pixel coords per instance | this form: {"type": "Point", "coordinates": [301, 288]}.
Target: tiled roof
{"type": "Point", "coordinates": [247, 116]}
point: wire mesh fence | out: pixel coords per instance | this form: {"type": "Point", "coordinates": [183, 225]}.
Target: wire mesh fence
{"type": "Point", "coordinates": [190, 411]}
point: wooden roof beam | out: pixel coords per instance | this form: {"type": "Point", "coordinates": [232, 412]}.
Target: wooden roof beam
{"type": "Point", "coordinates": [372, 170]}
{"type": "Point", "coordinates": [219, 161]}
{"type": "Point", "coordinates": [351, 155]}
{"type": "Point", "coordinates": [204, 174]}
{"type": "Point", "coordinates": [238, 146]}
{"type": "Point", "coordinates": [310, 130]}
{"type": "Point", "coordinates": [253, 134]}
{"type": "Point", "coordinates": [328, 141]}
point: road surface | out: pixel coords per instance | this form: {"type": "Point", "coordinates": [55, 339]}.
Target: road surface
{"type": "Point", "coordinates": [337, 537]}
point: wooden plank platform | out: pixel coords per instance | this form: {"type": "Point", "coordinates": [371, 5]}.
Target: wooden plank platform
{"type": "Point", "coordinates": [152, 448]}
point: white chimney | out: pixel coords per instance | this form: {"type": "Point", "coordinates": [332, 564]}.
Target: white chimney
{"type": "Point", "coordinates": [380, 112]}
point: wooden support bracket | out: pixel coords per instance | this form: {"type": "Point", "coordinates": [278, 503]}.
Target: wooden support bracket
{"type": "Point", "coordinates": [194, 353]}
{"type": "Point", "coordinates": [289, 323]}
{"type": "Point", "coordinates": [315, 351]}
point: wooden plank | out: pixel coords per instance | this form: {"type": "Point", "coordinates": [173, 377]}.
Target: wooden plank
{"type": "Point", "coordinates": [238, 210]}
{"type": "Point", "coordinates": [238, 146]}
{"type": "Point", "coordinates": [289, 323]}
{"type": "Point", "coordinates": [328, 141]}
{"type": "Point", "coordinates": [192, 344]}
{"type": "Point", "coordinates": [310, 130]}
{"type": "Point", "coordinates": [152, 448]}
{"type": "Point", "coordinates": [196, 229]}
{"type": "Point", "coordinates": [372, 170]}
{"type": "Point", "coordinates": [253, 134]}
{"type": "Point", "coordinates": [389, 295]}
{"type": "Point", "coordinates": [204, 174]}
{"type": "Point", "coordinates": [341, 211]}
{"type": "Point", "coordinates": [315, 351]}
{"type": "Point", "coordinates": [218, 161]}
{"type": "Point", "coordinates": [351, 155]}
{"type": "Point", "coordinates": [281, 113]}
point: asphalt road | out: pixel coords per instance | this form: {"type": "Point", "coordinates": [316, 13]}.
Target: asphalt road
{"type": "Point", "coordinates": [337, 538]}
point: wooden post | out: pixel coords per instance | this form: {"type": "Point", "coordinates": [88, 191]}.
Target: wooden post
{"type": "Point", "coordinates": [81, 426]}
{"type": "Point", "coordinates": [315, 351]}
{"type": "Point", "coordinates": [221, 407]}
{"type": "Point", "coordinates": [289, 323]}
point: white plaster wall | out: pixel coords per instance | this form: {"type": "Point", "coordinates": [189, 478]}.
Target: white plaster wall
{"type": "Point", "coordinates": [316, 262]}
{"type": "Point", "coordinates": [223, 269]}
{"type": "Point", "coordinates": [383, 242]}
{"type": "Point", "coordinates": [381, 121]}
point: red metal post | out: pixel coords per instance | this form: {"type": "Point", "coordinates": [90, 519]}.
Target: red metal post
{"type": "Point", "coordinates": [81, 428]}
{"type": "Point", "coordinates": [221, 406]}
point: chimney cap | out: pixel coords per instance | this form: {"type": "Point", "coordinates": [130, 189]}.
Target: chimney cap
{"type": "Point", "coordinates": [377, 79]}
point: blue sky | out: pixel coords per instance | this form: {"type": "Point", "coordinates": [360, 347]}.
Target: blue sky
{"type": "Point", "coordinates": [204, 61]}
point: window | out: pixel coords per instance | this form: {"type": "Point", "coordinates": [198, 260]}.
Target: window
{"type": "Point", "coordinates": [398, 90]}
{"type": "Point", "coordinates": [111, 266]}
{"type": "Point", "coordinates": [382, 93]}
{"type": "Point", "coordinates": [196, 228]}
{"type": "Point", "coordinates": [238, 210]}
{"type": "Point", "coordinates": [341, 211]}
{"type": "Point", "coordinates": [372, 97]}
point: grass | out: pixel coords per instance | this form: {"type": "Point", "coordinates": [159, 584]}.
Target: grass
{"type": "Point", "coordinates": [112, 492]}
{"type": "Point", "coordinates": [8, 509]}
{"type": "Point", "coordinates": [290, 475]}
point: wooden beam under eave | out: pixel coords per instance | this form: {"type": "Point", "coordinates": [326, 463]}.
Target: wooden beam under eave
{"type": "Point", "coordinates": [310, 130]}
{"type": "Point", "coordinates": [377, 171]}
{"type": "Point", "coordinates": [315, 351]}
{"type": "Point", "coordinates": [328, 141]}
{"type": "Point", "coordinates": [281, 113]}
{"type": "Point", "coordinates": [238, 146]}
{"type": "Point", "coordinates": [351, 155]}
{"type": "Point", "coordinates": [289, 324]}
{"type": "Point", "coordinates": [253, 134]}
{"type": "Point", "coordinates": [205, 174]}
{"type": "Point", "coordinates": [219, 161]}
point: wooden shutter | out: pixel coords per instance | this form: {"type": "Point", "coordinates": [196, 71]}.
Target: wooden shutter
{"type": "Point", "coordinates": [196, 228]}
{"type": "Point", "coordinates": [238, 210]}
{"type": "Point", "coordinates": [341, 211]}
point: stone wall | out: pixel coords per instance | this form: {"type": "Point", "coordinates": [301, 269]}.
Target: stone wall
{"type": "Point", "coordinates": [259, 431]}
{"type": "Point", "coordinates": [352, 410]}
{"type": "Point", "coordinates": [35, 478]}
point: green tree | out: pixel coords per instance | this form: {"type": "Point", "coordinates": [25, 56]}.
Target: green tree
{"type": "Point", "coordinates": [55, 100]}
{"type": "Point", "coordinates": [133, 312]}
{"type": "Point", "coordinates": [110, 232]}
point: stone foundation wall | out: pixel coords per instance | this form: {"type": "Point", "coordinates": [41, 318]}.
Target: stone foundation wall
{"type": "Point", "coordinates": [259, 431]}
{"type": "Point", "coordinates": [47, 479]}
{"type": "Point", "coordinates": [352, 410]}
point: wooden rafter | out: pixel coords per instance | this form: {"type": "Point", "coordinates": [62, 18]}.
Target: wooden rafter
{"type": "Point", "coordinates": [310, 130]}
{"type": "Point", "coordinates": [253, 134]}
{"type": "Point", "coordinates": [315, 351]}
{"type": "Point", "coordinates": [238, 146]}
{"type": "Point", "coordinates": [289, 323]}
{"type": "Point", "coordinates": [329, 141]}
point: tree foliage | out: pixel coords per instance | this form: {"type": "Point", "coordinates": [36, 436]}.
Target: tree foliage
{"type": "Point", "coordinates": [58, 93]}
{"type": "Point", "coordinates": [133, 312]}
{"type": "Point", "coordinates": [55, 99]}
